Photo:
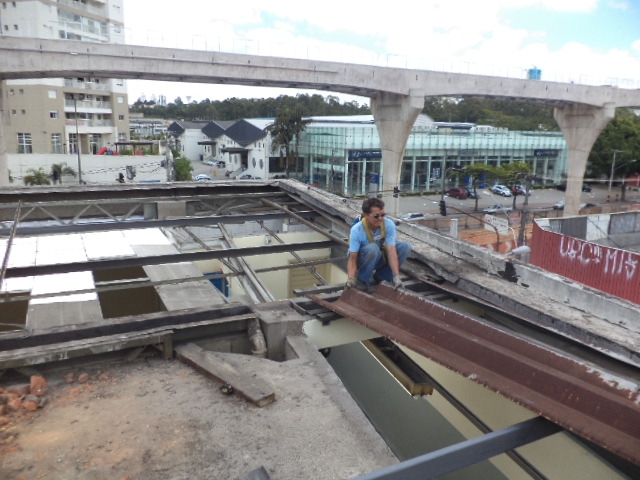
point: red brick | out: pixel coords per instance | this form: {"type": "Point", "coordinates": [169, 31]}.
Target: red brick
{"type": "Point", "coordinates": [38, 385]}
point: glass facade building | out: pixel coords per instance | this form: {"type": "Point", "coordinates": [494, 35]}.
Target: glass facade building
{"type": "Point", "coordinates": [342, 154]}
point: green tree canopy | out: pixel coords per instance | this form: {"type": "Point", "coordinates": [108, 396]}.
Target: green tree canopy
{"type": "Point", "coordinates": [287, 126]}
{"type": "Point", "coordinates": [182, 166]}
{"type": "Point", "coordinates": [622, 134]}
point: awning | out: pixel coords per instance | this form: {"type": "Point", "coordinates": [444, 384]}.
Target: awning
{"type": "Point", "coordinates": [235, 150]}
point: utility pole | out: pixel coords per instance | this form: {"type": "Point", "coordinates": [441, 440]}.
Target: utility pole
{"type": "Point", "coordinates": [75, 111]}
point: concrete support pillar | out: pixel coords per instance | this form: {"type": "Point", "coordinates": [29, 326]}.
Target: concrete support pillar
{"type": "Point", "coordinates": [581, 125]}
{"type": "Point", "coordinates": [4, 159]}
{"type": "Point", "coordinates": [395, 116]}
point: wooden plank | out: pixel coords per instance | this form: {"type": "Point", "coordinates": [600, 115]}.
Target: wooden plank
{"type": "Point", "coordinates": [221, 368]}
{"type": "Point", "coordinates": [161, 336]}
{"type": "Point", "coordinates": [64, 351]}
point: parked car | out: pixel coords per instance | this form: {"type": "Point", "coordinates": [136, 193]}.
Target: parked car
{"type": "Point", "coordinates": [497, 209]}
{"type": "Point", "coordinates": [563, 187]}
{"type": "Point", "coordinates": [220, 163]}
{"type": "Point", "coordinates": [561, 204]}
{"type": "Point", "coordinates": [209, 162]}
{"type": "Point", "coordinates": [518, 190]}
{"type": "Point", "coordinates": [407, 217]}
{"type": "Point", "coordinates": [471, 193]}
{"type": "Point", "coordinates": [202, 178]}
{"type": "Point", "coordinates": [246, 176]}
{"type": "Point", "coordinates": [459, 193]}
{"type": "Point", "coordinates": [502, 190]}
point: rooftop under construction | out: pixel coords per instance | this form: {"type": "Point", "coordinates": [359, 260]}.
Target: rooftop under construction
{"type": "Point", "coordinates": [91, 271]}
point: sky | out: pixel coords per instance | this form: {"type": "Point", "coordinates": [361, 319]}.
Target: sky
{"type": "Point", "coordinates": [594, 42]}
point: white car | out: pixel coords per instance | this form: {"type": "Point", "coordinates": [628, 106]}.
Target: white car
{"type": "Point", "coordinates": [209, 162]}
{"type": "Point", "coordinates": [202, 178]}
{"type": "Point", "coordinates": [497, 209]}
{"type": "Point", "coordinates": [407, 217]}
{"type": "Point", "coordinates": [502, 190]}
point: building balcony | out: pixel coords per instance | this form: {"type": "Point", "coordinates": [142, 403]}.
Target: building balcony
{"type": "Point", "coordinates": [100, 87]}
{"type": "Point", "coordinates": [88, 123]}
{"type": "Point", "coordinates": [88, 106]}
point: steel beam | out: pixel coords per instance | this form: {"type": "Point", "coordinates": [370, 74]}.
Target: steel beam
{"type": "Point", "coordinates": [137, 224]}
{"type": "Point", "coordinates": [600, 405]}
{"type": "Point", "coordinates": [463, 454]}
{"type": "Point", "coordinates": [163, 259]}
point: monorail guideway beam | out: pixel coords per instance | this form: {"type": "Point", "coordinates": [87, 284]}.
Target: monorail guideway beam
{"type": "Point", "coordinates": [579, 396]}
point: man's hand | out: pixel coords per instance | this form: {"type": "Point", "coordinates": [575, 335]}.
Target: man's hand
{"type": "Point", "coordinates": [397, 283]}
{"type": "Point", "coordinates": [351, 283]}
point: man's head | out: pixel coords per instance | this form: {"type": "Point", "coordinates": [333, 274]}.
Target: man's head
{"type": "Point", "coordinates": [373, 208]}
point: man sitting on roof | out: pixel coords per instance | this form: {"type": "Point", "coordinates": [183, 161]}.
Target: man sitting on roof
{"type": "Point", "coordinates": [374, 255]}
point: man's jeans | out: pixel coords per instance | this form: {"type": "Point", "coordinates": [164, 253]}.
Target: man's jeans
{"type": "Point", "coordinates": [371, 260]}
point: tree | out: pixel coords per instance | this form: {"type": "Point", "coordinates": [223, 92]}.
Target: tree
{"type": "Point", "coordinates": [621, 134]}
{"type": "Point", "coordinates": [512, 174]}
{"type": "Point", "coordinates": [480, 173]}
{"type": "Point", "coordinates": [36, 177]}
{"type": "Point", "coordinates": [287, 126]}
{"type": "Point", "coordinates": [182, 166]}
{"type": "Point", "coordinates": [60, 169]}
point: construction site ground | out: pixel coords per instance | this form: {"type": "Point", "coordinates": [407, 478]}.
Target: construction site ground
{"type": "Point", "coordinates": [152, 418]}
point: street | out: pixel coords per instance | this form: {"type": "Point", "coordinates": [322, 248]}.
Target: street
{"type": "Point", "coordinates": [539, 200]}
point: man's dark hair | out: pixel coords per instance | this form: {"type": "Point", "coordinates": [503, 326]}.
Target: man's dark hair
{"type": "Point", "coordinates": [370, 203]}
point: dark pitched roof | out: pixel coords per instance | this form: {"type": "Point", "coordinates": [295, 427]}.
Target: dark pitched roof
{"type": "Point", "coordinates": [179, 127]}
{"type": "Point", "coordinates": [216, 128]}
{"type": "Point", "coordinates": [244, 132]}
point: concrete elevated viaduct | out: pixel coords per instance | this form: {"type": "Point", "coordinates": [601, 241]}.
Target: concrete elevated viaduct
{"type": "Point", "coordinates": [397, 95]}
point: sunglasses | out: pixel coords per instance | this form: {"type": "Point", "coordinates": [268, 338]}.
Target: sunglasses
{"type": "Point", "coordinates": [377, 215]}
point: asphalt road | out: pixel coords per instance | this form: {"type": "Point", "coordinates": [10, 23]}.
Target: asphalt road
{"type": "Point", "coordinates": [539, 199]}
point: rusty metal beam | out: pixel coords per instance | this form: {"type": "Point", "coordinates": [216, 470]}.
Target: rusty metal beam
{"type": "Point", "coordinates": [581, 397]}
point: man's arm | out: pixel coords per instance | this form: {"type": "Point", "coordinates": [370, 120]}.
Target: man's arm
{"type": "Point", "coordinates": [352, 265]}
{"type": "Point", "coordinates": [392, 258]}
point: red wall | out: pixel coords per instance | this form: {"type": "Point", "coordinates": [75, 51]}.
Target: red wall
{"type": "Point", "coordinates": [611, 270]}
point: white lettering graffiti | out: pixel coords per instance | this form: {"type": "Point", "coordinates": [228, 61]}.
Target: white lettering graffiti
{"type": "Point", "coordinates": [614, 262]}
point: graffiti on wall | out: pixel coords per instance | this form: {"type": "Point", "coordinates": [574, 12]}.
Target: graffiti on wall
{"type": "Point", "coordinates": [610, 261]}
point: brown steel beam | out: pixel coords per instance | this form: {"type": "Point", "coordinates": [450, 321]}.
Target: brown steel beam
{"type": "Point", "coordinates": [595, 404]}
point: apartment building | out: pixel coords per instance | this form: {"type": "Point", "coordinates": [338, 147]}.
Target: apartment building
{"type": "Point", "coordinates": [62, 115]}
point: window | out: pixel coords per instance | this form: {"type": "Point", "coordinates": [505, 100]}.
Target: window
{"type": "Point", "coordinates": [23, 111]}
{"type": "Point", "coordinates": [73, 144]}
{"type": "Point", "coordinates": [15, 27]}
{"type": "Point", "coordinates": [120, 99]}
{"type": "Point", "coordinates": [24, 143]}
{"type": "Point", "coordinates": [53, 114]}
{"type": "Point", "coordinates": [21, 91]}
{"type": "Point", "coordinates": [12, 91]}
{"type": "Point", "coordinates": [56, 143]}
{"type": "Point", "coordinates": [122, 137]}
{"type": "Point", "coordinates": [14, 112]}
{"type": "Point", "coordinates": [120, 117]}
{"type": "Point", "coordinates": [53, 94]}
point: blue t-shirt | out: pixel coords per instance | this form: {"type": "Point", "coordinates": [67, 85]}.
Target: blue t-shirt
{"type": "Point", "coordinates": [358, 236]}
